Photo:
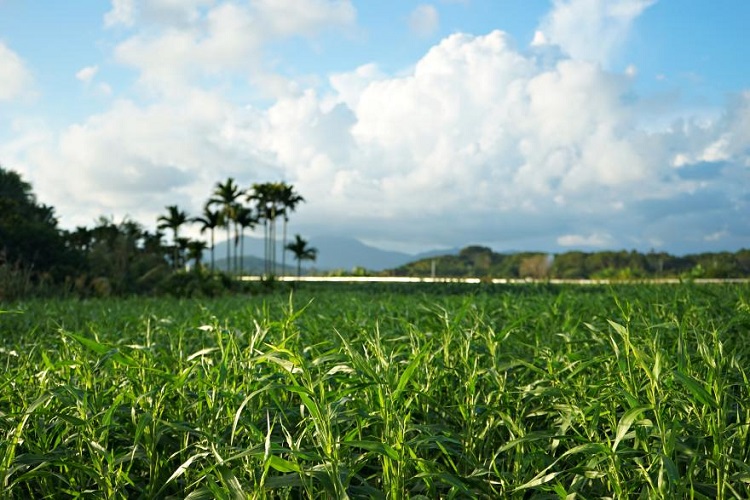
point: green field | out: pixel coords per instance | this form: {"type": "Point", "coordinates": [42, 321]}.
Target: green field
{"type": "Point", "coordinates": [381, 391]}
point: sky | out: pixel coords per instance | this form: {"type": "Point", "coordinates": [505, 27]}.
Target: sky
{"type": "Point", "coordinates": [549, 125]}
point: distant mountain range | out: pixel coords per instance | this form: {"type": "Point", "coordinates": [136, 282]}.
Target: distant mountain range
{"type": "Point", "coordinates": [334, 252]}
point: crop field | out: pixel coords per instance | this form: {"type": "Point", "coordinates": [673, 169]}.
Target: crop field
{"type": "Point", "coordinates": [381, 391]}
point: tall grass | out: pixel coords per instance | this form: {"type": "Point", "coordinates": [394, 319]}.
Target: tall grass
{"type": "Point", "coordinates": [531, 392]}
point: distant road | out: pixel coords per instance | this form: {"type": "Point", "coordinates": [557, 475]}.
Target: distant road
{"type": "Point", "coordinates": [501, 281]}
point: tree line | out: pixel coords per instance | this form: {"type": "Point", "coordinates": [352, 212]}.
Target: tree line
{"type": "Point", "coordinates": [126, 258]}
{"type": "Point", "coordinates": [481, 262]}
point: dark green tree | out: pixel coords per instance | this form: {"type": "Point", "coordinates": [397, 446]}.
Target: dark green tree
{"type": "Point", "coordinates": [29, 236]}
{"type": "Point", "coordinates": [225, 195]}
{"type": "Point", "coordinates": [174, 219]}
{"type": "Point", "coordinates": [289, 201]}
{"type": "Point", "coordinates": [268, 198]}
{"type": "Point", "coordinates": [245, 218]}
{"type": "Point", "coordinates": [195, 249]}
{"type": "Point", "coordinates": [301, 252]}
{"type": "Point", "coordinates": [210, 220]}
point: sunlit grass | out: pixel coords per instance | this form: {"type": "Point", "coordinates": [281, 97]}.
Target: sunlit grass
{"type": "Point", "coordinates": [547, 392]}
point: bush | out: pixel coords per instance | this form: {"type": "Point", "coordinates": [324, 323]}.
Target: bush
{"type": "Point", "coordinates": [197, 284]}
{"type": "Point", "coordinates": [15, 282]}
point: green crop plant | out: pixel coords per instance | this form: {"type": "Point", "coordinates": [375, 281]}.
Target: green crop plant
{"type": "Point", "coordinates": [374, 391]}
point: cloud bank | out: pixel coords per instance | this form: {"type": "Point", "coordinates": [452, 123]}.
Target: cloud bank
{"type": "Point", "coordinates": [480, 141]}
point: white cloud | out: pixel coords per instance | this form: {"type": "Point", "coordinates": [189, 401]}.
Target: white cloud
{"type": "Point", "coordinates": [174, 12]}
{"type": "Point", "coordinates": [132, 159]}
{"type": "Point", "coordinates": [597, 240]}
{"type": "Point", "coordinates": [540, 39]}
{"type": "Point", "coordinates": [165, 12]}
{"type": "Point", "coordinates": [591, 30]}
{"type": "Point", "coordinates": [304, 17]}
{"type": "Point", "coordinates": [15, 78]}
{"type": "Point", "coordinates": [222, 39]}
{"type": "Point", "coordinates": [87, 74]}
{"type": "Point", "coordinates": [350, 86]}
{"type": "Point", "coordinates": [718, 235]}
{"type": "Point", "coordinates": [123, 12]}
{"type": "Point", "coordinates": [424, 20]}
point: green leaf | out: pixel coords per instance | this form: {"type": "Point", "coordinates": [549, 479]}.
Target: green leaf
{"type": "Point", "coordinates": [181, 469]}
{"type": "Point", "coordinates": [538, 480]}
{"type": "Point", "coordinates": [671, 468]}
{"type": "Point", "coordinates": [407, 374]}
{"type": "Point", "coordinates": [625, 422]}
{"type": "Point", "coordinates": [282, 465]}
{"type": "Point", "coordinates": [105, 350]}
{"type": "Point", "coordinates": [202, 352]}
{"type": "Point", "coordinates": [620, 329]}
{"type": "Point", "coordinates": [374, 446]}
{"type": "Point", "coordinates": [283, 481]}
{"type": "Point", "coordinates": [530, 438]}
{"type": "Point", "coordinates": [696, 389]}
{"type": "Point", "coordinates": [201, 494]}
{"type": "Point", "coordinates": [231, 482]}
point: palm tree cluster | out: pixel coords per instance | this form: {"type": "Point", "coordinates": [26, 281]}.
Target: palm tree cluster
{"type": "Point", "coordinates": [125, 258]}
{"type": "Point", "coordinates": [236, 210]}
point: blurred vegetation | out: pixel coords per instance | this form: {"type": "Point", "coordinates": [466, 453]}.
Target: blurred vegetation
{"type": "Point", "coordinates": [37, 258]}
{"type": "Point", "coordinates": [482, 262]}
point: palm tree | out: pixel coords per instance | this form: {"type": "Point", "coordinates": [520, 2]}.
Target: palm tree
{"type": "Point", "coordinates": [211, 219]}
{"type": "Point", "coordinates": [301, 252]}
{"type": "Point", "coordinates": [182, 245]}
{"type": "Point", "coordinates": [195, 250]}
{"type": "Point", "coordinates": [245, 218]}
{"type": "Point", "coordinates": [289, 200]}
{"type": "Point", "coordinates": [225, 195]}
{"type": "Point", "coordinates": [268, 201]}
{"type": "Point", "coordinates": [152, 242]}
{"type": "Point", "coordinates": [173, 220]}
{"type": "Point", "coordinates": [260, 196]}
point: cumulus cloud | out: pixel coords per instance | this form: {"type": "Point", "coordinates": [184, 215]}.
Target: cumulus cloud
{"type": "Point", "coordinates": [479, 141]}
{"type": "Point", "coordinates": [424, 20]}
{"type": "Point", "coordinates": [131, 160]}
{"type": "Point", "coordinates": [480, 134]}
{"type": "Point", "coordinates": [591, 30]}
{"type": "Point", "coordinates": [222, 39]}
{"type": "Point", "coordinates": [15, 78]}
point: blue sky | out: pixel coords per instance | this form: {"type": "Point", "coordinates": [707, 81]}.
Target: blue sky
{"type": "Point", "coordinates": [540, 125]}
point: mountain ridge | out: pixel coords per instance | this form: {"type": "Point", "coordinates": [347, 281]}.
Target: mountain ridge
{"type": "Point", "coordinates": [334, 252]}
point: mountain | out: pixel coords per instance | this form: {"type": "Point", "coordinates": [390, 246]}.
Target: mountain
{"type": "Point", "coordinates": [334, 252]}
{"type": "Point", "coordinates": [338, 252]}
{"type": "Point", "coordinates": [436, 253]}
{"type": "Point", "coordinates": [252, 265]}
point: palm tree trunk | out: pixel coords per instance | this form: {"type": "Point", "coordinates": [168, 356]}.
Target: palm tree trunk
{"type": "Point", "coordinates": [212, 250]}
{"type": "Point", "coordinates": [242, 252]}
{"type": "Point", "coordinates": [266, 253]}
{"type": "Point", "coordinates": [175, 254]}
{"type": "Point", "coordinates": [236, 241]}
{"type": "Point", "coordinates": [273, 243]}
{"type": "Point", "coordinates": [229, 246]}
{"type": "Point", "coordinates": [283, 249]}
